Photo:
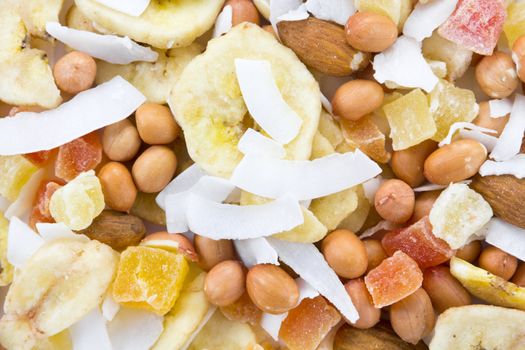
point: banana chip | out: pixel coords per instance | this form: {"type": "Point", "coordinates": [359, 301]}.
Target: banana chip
{"type": "Point", "coordinates": [164, 25]}
{"type": "Point", "coordinates": [36, 13]}
{"type": "Point", "coordinates": [208, 104]}
{"type": "Point", "coordinates": [6, 269]}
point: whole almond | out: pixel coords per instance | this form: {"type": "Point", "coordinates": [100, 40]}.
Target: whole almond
{"type": "Point", "coordinates": [505, 194]}
{"type": "Point", "coordinates": [322, 45]}
{"type": "Point", "coordinates": [370, 32]}
{"type": "Point", "coordinates": [356, 98]}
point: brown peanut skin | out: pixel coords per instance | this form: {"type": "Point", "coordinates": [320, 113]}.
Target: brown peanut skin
{"type": "Point", "coordinates": [225, 283]}
{"type": "Point", "coordinates": [408, 164]}
{"type": "Point", "coordinates": [345, 253]}
{"type": "Point", "coordinates": [496, 75]}
{"type": "Point", "coordinates": [118, 186]}
{"type": "Point", "coordinates": [498, 262]}
{"type": "Point", "coordinates": [357, 98]}
{"type": "Point", "coordinates": [369, 315]}
{"type": "Point", "coordinates": [370, 32]}
{"type": "Point", "coordinates": [443, 289]}
{"type": "Point", "coordinates": [469, 252]}
{"type": "Point", "coordinates": [211, 252]}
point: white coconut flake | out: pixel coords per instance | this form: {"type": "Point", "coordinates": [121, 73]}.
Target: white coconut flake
{"type": "Point", "coordinates": [500, 108]}
{"type": "Point", "coordinates": [223, 24]}
{"type": "Point", "coordinates": [507, 237]}
{"type": "Point", "coordinates": [110, 48]}
{"type": "Point", "coordinates": [52, 231]}
{"type": "Point", "coordinates": [509, 143]}
{"type": "Point", "coordinates": [371, 186]}
{"type": "Point", "coordinates": [427, 17]}
{"type": "Point", "coordinates": [253, 142]}
{"type": "Point", "coordinates": [90, 332]}
{"type": "Point", "coordinates": [303, 179]}
{"type": "Point", "coordinates": [327, 104]}
{"type": "Point", "coordinates": [434, 187]}
{"type": "Point", "coordinates": [90, 110]}
{"type": "Point", "coordinates": [21, 207]}
{"type": "Point", "coordinates": [382, 225]}
{"type": "Point", "coordinates": [183, 182]}
{"type": "Point", "coordinates": [306, 291]}
{"type": "Point", "coordinates": [226, 221]}
{"type": "Point", "coordinates": [255, 251]}
{"type": "Point", "coordinates": [297, 14]}
{"type": "Point", "coordinates": [205, 319]}
{"type": "Point", "coordinates": [280, 7]}
{"type": "Point", "coordinates": [22, 242]}
{"type": "Point", "coordinates": [404, 64]}
{"type": "Point", "coordinates": [264, 100]}
{"type": "Point", "coordinates": [130, 7]}
{"type": "Point", "coordinates": [486, 140]}
{"type": "Point", "coordinates": [309, 264]}
{"type": "Point", "coordinates": [464, 125]}
{"type": "Point", "coordinates": [337, 11]}
{"type": "Point", "coordinates": [109, 307]}
{"type": "Point", "coordinates": [514, 166]}
{"type": "Point", "coordinates": [134, 329]}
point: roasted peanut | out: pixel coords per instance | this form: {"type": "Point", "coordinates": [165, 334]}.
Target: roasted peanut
{"type": "Point", "coordinates": [154, 169]}
{"type": "Point", "coordinates": [498, 262]}
{"type": "Point", "coordinates": [121, 141]}
{"type": "Point", "coordinates": [118, 187]}
{"type": "Point", "coordinates": [345, 253]}
{"type": "Point", "coordinates": [155, 124]}
{"type": "Point", "coordinates": [243, 11]}
{"type": "Point", "coordinates": [519, 275]}
{"type": "Point", "coordinates": [407, 164]}
{"type": "Point", "coordinates": [423, 205]}
{"type": "Point", "coordinates": [496, 75]}
{"type": "Point", "coordinates": [370, 32]}
{"type": "Point", "coordinates": [394, 201]}
{"type": "Point", "coordinates": [212, 252]}
{"type": "Point", "coordinates": [75, 72]}
{"type": "Point", "coordinates": [369, 315]}
{"type": "Point", "coordinates": [225, 283]}
{"type": "Point", "coordinates": [486, 121]}
{"type": "Point", "coordinates": [375, 253]}
{"type": "Point", "coordinates": [469, 252]}
{"type": "Point", "coordinates": [357, 98]}
{"type": "Point", "coordinates": [171, 241]}
{"type": "Point", "coordinates": [518, 51]}
{"type": "Point", "coordinates": [443, 289]}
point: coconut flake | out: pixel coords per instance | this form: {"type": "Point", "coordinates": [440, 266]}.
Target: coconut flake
{"type": "Point", "coordinates": [327, 104]}
{"type": "Point", "coordinates": [183, 182]}
{"type": "Point", "coordinates": [226, 221]}
{"type": "Point", "coordinates": [23, 204]}
{"type": "Point", "coordinates": [404, 64]}
{"type": "Point", "coordinates": [500, 108]}
{"type": "Point", "coordinates": [264, 100]}
{"type": "Point", "coordinates": [514, 166]}
{"type": "Point", "coordinates": [371, 186]}
{"type": "Point", "coordinates": [280, 7]}
{"type": "Point", "coordinates": [111, 48]}
{"type": "Point", "coordinates": [507, 237]}
{"type": "Point", "coordinates": [464, 125]}
{"type": "Point", "coordinates": [382, 225]}
{"type": "Point", "coordinates": [130, 7]}
{"type": "Point", "coordinates": [134, 329]}
{"type": "Point", "coordinates": [303, 179]}
{"type": "Point", "coordinates": [223, 24]}
{"type": "Point", "coordinates": [253, 142]}
{"type": "Point", "coordinates": [110, 307]}
{"type": "Point", "coordinates": [308, 262]}
{"type": "Point", "coordinates": [90, 332]}
{"type": "Point", "coordinates": [255, 251]}
{"type": "Point", "coordinates": [205, 319]}
{"type": "Point", "coordinates": [22, 242]}
{"type": "Point", "coordinates": [297, 14]}
{"type": "Point", "coordinates": [509, 143]}
{"type": "Point", "coordinates": [90, 110]}
{"type": "Point", "coordinates": [486, 140]}
{"type": "Point", "coordinates": [337, 11]}
{"type": "Point", "coordinates": [52, 231]}
{"type": "Point", "coordinates": [427, 17]}
{"type": "Point", "coordinates": [434, 187]}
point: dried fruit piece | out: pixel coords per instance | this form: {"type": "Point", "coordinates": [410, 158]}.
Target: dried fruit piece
{"type": "Point", "coordinates": [242, 310]}
{"type": "Point", "coordinates": [449, 105]}
{"type": "Point", "coordinates": [40, 211]}
{"type": "Point", "coordinates": [365, 135]}
{"type": "Point", "coordinates": [410, 120]}
{"type": "Point", "coordinates": [78, 156]}
{"type": "Point", "coordinates": [397, 10]}
{"type": "Point", "coordinates": [78, 202]}
{"type": "Point", "coordinates": [6, 269]}
{"type": "Point", "coordinates": [149, 278]}
{"type": "Point", "coordinates": [395, 278]}
{"type": "Point", "coordinates": [455, 57]}
{"type": "Point", "coordinates": [307, 324]}
{"type": "Point", "coordinates": [514, 26]}
{"type": "Point", "coordinates": [475, 25]}
{"type": "Point", "coordinates": [333, 209]}
{"type": "Point", "coordinates": [418, 242]}
{"type": "Point", "coordinates": [41, 157]}
{"type": "Point", "coordinates": [15, 171]}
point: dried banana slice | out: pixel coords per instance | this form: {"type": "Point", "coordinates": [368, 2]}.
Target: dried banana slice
{"type": "Point", "coordinates": [36, 13]}
{"type": "Point", "coordinates": [153, 79]}
{"type": "Point", "coordinates": [208, 104]}
{"type": "Point", "coordinates": [6, 269]}
{"type": "Point", "coordinates": [164, 25]}
{"type": "Point", "coordinates": [57, 286]}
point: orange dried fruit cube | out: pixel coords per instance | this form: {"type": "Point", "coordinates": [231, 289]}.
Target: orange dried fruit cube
{"type": "Point", "coordinates": [78, 156]}
{"type": "Point", "coordinates": [307, 324]}
{"type": "Point", "coordinates": [40, 211]}
{"type": "Point", "coordinates": [419, 243]}
{"type": "Point", "coordinates": [365, 135]}
{"type": "Point", "coordinates": [40, 157]}
{"type": "Point", "coordinates": [149, 278]}
{"type": "Point", "coordinates": [242, 310]}
{"type": "Point", "coordinates": [394, 279]}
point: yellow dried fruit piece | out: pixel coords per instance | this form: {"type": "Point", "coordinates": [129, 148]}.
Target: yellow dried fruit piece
{"type": "Point", "coordinates": [333, 209]}
{"type": "Point", "coordinates": [321, 146]}
{"type": "Point", "coordinates": [15, 171]}
{"type": "Point", "coordinates": [355, 221]}
{"type": "Point", "coordinates": [449, 105]}
{"type": "Point", "coordinates": [149, 278]}
{"type": "Point", "coordinates": [397, 10]}
{"type": "Point", "coordinates": [77, 203]}
{"type": "Point", "coordinates": [365, 135]}
{"type": "Point", "coordinates": [330, 129]}
{"type": "Point", "coordinates": [514, 25]}
{"type": "Point", "coordinates": [455, 57]}
{"type": "Point", "coordinates": [6, 269]}
{"type": "Point", "coordinates": [410, 120]}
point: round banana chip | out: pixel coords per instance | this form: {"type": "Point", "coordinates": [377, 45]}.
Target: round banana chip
{"type": "Point", "coordinates": [208, 104]}
{"type": "Point", "coordinates": [165, 24]}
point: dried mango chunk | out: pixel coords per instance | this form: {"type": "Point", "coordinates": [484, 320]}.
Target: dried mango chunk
{"type": "Point", "coordinates": [6, 269]}
{"type": "Point", "coordinates": [410, 120]}
{"type": "Point", "coordinates": [40, 157]}
{"type": "Point", "coordinates": [307, 324]}
{"type": "Point", "coordinates": [365, 135]}
{"type": "Point", "coordinates": [78, 202]}
{"type": "Point", "coordinates": [40, 211]}
{"type": "Point", "coordinates": [418, 242]}
{"type": "Point", "coordinates": [15, 171]}
{"type": "Point", "coordinates": [149, 278]}
{"type": "Point", "coordinates": [475, 25]}
{"type": "Point", "coordinates": [394, 279]}
{"type": "Point", "coordinates": [78, 156]}
{"type": "Point", "coordinates": [514, 26]}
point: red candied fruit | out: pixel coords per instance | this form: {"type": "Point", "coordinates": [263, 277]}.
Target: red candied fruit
{"type": "Point", "coordinates": [40, 157]}
{"type": "Point", "coordinates": [418, 242]}
{"type": "Point", "coordinates": [475, 25]}
{"type": "Point", "coordinates": [77, 156]}
{"type": "Point", "coordinates": [394, 279]}
{"type": "Point", "coordinates": [40, 211]}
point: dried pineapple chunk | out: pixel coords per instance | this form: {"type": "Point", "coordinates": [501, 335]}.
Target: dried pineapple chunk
{"type": "Point", "coordinates": [355, 221]}
{"type": "Point", "coordinates": [333, 209]}
{"type": "Point", "coordinates": [321, 146]}
{"type": "Point", "coordinates": [397, 10]}
{"type": "Point", "coordinates": [164, 24]}
{"type": "Point", "coordinates": [514, 25]}
{"type": "Point", "coordinates": [456, 58]}
{"type": "Point", "coordinates": [330, 129]}
{"type": "Point", "coordinates": [15, 172]}
{"type": "Point", "coordinates": [6, 269]}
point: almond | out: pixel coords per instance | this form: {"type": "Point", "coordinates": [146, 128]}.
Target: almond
{"type": "Point", "coordinates": [505, 194]}
{"type": "Point", "coordinates": [322, 45]}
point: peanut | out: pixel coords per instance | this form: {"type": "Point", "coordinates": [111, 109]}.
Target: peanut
{"type": "Point", "coordinates": [75, 72]}
{"type": "Point", "coordinates": [171, 241]}
{"type": "Point", "coordinates": [375, 253]}
{"type": "Point", "coordinates": [518, 51]}
{"type": "Point", "coordinates": [469, 252]}
{"type": "Point", "coordinates": [225, 283]}
{"type": "Point", "coordinates": [486, 121]}
{"type": "Point", "coordinates": [154, 169]}
{"type": "Point", "coordinates": [121, 141]}
{"type": "Point", "coordinates": [424, 203]}
{"type": "Point", "coordinates": [155, 124]}
{"type": "Point", "coordinates": [345, 253]}
{"type": "Point", "coordinates": [118, 187]}
{"type": "Point", "coordinates": [243, 11]}
{"type": "Point", "coordinates": [443, 289]}
{"type": "Point", "coordinates": [496, 75]}
{"type": "Point", "coordinates": [369, 315]}
{"type": "Point", "coordinates": [212, 252]}
{"type": "Point", "coordinates": [407, 164]}
{"type": "Point", "coordinates": [498, 262]}
{"type": "Point", "coordinates": [519, 275]}
{"type": "Point", "coordinates": [394, 201]}
{"type": "Point", "coordinates": [356, 98]}
{"type": "Point", "coordinates": [370, 32]}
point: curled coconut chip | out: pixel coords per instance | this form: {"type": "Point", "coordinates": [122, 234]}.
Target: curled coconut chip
{"type": "Point", "coordinates": [509, 143]}
{"type": "Point", "coordinates": [297, 14]}
{"type": "Point", "coordinates": [337, 11]}
{"type": "Point", "coordinates": [404, 64]}
{"type": "Point", "coordinates": [428, 16]}
{"type": "Point", "coordinates": [279, 8]}
{"type": "Point", "coordinates": [255, 251]}
{"type": "Point", "coordinates": [472, 127]}
{"type": "Point", "coordinates": [326, 104]}
{"type": "Point", "coordinates": [264, 100]}
{"type": "Point", "coordinates": [183, 182]}
{"type": "Point", "coordinates": [90, 110]}
{"type": "Point", "coordinates": [90, 332]}
{"type": "Point", "coordinates": [111, 48]}
{"type": "Point", "coordinates": [507, 237]}
{"type": "Point", "coordinates": [226, 221]}
{"type": "Point", "coordinates": [22, 242]}
{"type": "Point", "coordinates": [130, 7]}
{"type": "Point", "coordinates": [500, 108]}
{"type": "Point", "coordinates": [253, 142]}
{"type": "Point", "coordinates": [52, 231]}
{"type": "Point", "coordinates": [486, 140]}
{"type": "Point", "coordinates": [109, 307]}
{"type": "Point", "coordinates": [514, 166]}
{"type": "Point", "coordinates": [134, 329]}
{"type": "Point", "coordinates": [383, 225]}
{"type": "Point", "coordinates": [223, 24]}
{"type": "Point", "coordinates": [371, 186]}
{"type": "Point", "coordinates": [23, 204]}
{"type": "Point", "coordinates": [272, 178]}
